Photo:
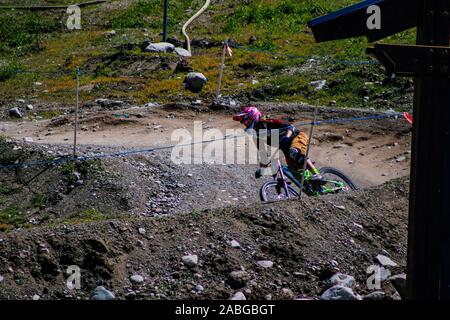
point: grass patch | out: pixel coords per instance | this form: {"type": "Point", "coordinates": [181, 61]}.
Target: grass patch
{"type": "Point", "coordinates": [11, 218]}
{"type": "Point", "coordinates": [38, 200]}
{"type": "Point", "coordinates": [88, 215]}
{"type": "Point", "coordinates": [21, 31]}
{"type": "Point", "coordinates": [9, 71]}
{"type": "Point", "coordinates": [149, 13]}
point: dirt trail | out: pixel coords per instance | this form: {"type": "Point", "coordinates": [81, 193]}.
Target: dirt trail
{"type": "Point", "coordinates": [371, 152]}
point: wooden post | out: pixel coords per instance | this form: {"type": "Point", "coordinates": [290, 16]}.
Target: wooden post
{"type": "Point", "coordinates": [222, 64]}
{"type": "Point", "coordinates": [429, 218]}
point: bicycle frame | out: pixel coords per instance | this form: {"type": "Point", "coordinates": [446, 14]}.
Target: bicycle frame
{"type": "Point", "coordinates": [286, 172]}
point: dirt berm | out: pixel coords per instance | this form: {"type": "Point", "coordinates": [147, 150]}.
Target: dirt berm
{"type": "Point", "coordinates": [307, 241]}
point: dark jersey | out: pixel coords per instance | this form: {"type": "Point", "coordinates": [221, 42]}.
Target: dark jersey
{"type": "Point", "coordinates": [266, 127]}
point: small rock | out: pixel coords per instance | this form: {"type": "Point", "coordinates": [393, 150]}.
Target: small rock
{"type": "Point", "coordinates": [238, 279]}
{"type": "Point", "coordinates": [131, 295]}
{"type": "Point", "coordinates": [1, 279]}
{"type": "Point", "coordinates": [100, 293]}
{"type": "Point", "coordinates": [340, 146]}
{"type": "Point", "coordinates": [199, 288]}
{"type": "Point", "coordinates": [265, 263]}
{"type": "Point", "coordinates": [15, 112]}
{"type": "Point", "coordinates": [385, 261]}
{"type": "Point", "coordinates": [160, 47]}
{"type": "Point", "coordinates": [21, 100]}
{"type": "Point", "coordinates": [28, 139]}
{"type": "Point", "coordinates": [234, 244]}
{"type": "Point", "coordinates": [141, 231]}
{"type": "Point", "coordinates": [137, 279]}
{"type": "Point", "coordinates": [110, 33]}
{"type": "Point", "coordinates": [36, 297]}
{"type": "Point", "coordinates": [194, 81]}
{"type": "Point", "coordinates": [286, 293]}
{"type": "Point", "coordinates": [332, 102]}
{"type": "Point", "coordinates": [150, 105]}
{"type": "Point", "coordinates": [319, 85]}
{"type": "Point", "coordinates": [339, 293]}
{"type": "Point", "coordinates": [183, 52]}
{"type": "Point", "coordinates": [377, 295]}
{"type": "Point", "coordinates": [268, 297]}
{"type": "Point", "coordinates": [30, 107]}
{"type": "Point", "coordinates": [190, 261]}
{"type": "Point", "coordinates": [400, 159]}
{"type": "Point", "coordinates": [340, 279]}
{"type": "Point", "coordinates": [238, 296]}
{"type": "Point", "coordinates": [340, 207]}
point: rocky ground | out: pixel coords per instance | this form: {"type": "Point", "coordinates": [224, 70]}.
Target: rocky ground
{"type": "Point", "coordinates": [274, 251]}
{"type": "Point", "coordinates": [128, 221]}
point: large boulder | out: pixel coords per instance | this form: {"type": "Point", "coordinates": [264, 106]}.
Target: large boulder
{"type": "Point", "coordinates": [340, 293]}
{"type": "Point", "coordinates": [160, 47]}
{"type": "Point", "coordinates": [195, 81]}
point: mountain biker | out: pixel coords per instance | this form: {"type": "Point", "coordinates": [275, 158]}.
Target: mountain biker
{"type": "Point", "coordinates": [292, 142]}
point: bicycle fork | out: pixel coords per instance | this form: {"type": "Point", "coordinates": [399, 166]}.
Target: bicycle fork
{"type": "Point", "coordinates": [283, 177]}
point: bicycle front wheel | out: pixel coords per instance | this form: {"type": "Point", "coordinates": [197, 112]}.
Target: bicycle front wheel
{"type": "Point", "coordinates": [272, 191]}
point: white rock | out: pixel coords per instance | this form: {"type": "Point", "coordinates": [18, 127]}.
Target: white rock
{"type": "Point", "coordinates": [265, 263]}
{"type": "Point", "coordinates": [36, 297]}
{"type": "Point", "coordinates": [30, 107]}
{"type": "Point", "coordinates": [151, 105]}
{"type": "Point", "coordinates": [38, 83]}
{"type": "Point", "coordinates": [1, 279]}
{"type": "Point", "coordinates": [400, 159]}
{"type": "Point", "coordinates": [377, 295]}
{"type": "Point", "coordinates": [136, 278]}
{"type": "Point", "coordinates": [190, 260]}
{"type": "Point", "coordinates": [385, 261]}
{"type": "Point", "coordinates": [110, 33]}
{"type": "Point", "coordinates": [141, 231]}
{"type": "Point", "coordinates": [235, 244]}
{"type": "Point", "coordinates": [340, 207]}
{"type": "Point", "coordinates": [255, 81]}
{"type": "Point", "coordinates": [160, 47]}
{"type": "Point", "coordinates": [319, 85]}
{"type": "Point", "coordinates": [100, 293]}
{"type": "Point", "coordinates": [21, 100]}
{"type": "Point", "coordinates": [340, 279]}
{"type": "Point", "coordinates": [238, 296]}
{"type": "Point", "coordinates": [339, 293]}
{"type": "Point", "coordinates": [183, 52]}
{"type": "Point", "coordinates": [28, 139]}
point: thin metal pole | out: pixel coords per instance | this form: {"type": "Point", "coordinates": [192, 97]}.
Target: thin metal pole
{"type": "Point", "coordinates": [76, 115]}
{"type": "Point", "coordinates": [222, 63]}
{"type": "Point", "coordinates": [307, 150]}
{"type": "Point", "coordinates": [166, 18]}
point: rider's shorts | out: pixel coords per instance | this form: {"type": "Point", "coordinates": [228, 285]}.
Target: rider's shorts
{"type": "Point", "coordinates": [300, 142]}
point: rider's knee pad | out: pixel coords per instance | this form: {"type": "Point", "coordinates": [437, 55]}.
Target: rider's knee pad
{"type": "Point", "coordinates": [296, 155]}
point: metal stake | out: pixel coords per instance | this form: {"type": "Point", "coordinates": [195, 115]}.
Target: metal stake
{"type": "Point", "coordinates": [307, 150]}
{"type": "Point", "coordinates": [222, 63]}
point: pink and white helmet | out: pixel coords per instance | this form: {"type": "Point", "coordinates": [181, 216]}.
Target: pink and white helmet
{"type": "Point", "coordinates": [248, 116]}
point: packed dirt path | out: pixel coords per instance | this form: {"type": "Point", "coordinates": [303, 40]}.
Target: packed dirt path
{"type": "Point", "coordinates": [370, 152]}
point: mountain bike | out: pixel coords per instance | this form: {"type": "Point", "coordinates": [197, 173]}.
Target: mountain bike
{"type": "Point", "coordinates": [334, 181]}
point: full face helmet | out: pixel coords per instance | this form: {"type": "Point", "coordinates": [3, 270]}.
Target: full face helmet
{"type": "Point", "coordinates": [249, 116]}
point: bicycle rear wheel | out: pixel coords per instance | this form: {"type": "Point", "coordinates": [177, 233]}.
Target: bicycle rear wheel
{"type": "Point", "coordinates": [273, 191]}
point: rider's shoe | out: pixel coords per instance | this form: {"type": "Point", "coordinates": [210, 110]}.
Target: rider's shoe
{"type": "Point", "coordinates": [317, 178]}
